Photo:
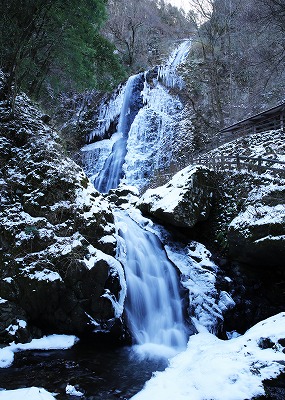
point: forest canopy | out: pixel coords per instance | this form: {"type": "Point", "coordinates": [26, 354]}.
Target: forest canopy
{"type": "Point", "coordinates": [54, 45]}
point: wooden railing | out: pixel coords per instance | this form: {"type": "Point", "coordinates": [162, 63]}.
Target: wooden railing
{"type": "Point", "coordinates": [237, 162]}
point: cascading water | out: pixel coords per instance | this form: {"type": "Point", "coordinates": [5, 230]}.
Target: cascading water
{"type": "Point", "coordinates": [153, 117]}
{"type": "Point", "coordinates": [111, 172]}
{"type": "Point", "coordinates": [147, 117]}
{"type": "Point", "coordinates": [153, 305]}
{"type": "Point", "coordinates": [168, 71]}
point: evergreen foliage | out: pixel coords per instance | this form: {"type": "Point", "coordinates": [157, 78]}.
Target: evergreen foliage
{"type": "Point", "coordinates": [51, 45]}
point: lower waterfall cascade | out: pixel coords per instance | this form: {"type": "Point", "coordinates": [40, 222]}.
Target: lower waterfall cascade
{"type": "Point", "coordinates": [153, 304]}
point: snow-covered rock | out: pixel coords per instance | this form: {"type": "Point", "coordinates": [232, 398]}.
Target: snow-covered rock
{"type": "Point", "coordinates": [57, 267]}
{"type": "Point", "coordinates": [207, 304]}
{"type": "Point", "coordinates": [52, 342]}
{"type": "Point", "coordinates": [257, 235]}
{"type": "Point", "coordinates": [185, 200]}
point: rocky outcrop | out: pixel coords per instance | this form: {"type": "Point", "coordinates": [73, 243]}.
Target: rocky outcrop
{"type": "Point", "coordinates": [183, 201]}
{"type": "Point", "coordinates": [57, 270]}
{"type": "Point", "coordinates": [257, 235]}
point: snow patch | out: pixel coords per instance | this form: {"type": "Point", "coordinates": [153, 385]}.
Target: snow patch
{"type": "Point", "coordinates": [45, 275]}
{"type": "Point", "coordinates": [33, 393]}
{"type": "Point", "coordinates": [52, 342]}
{"type": "Point", "coordinates": [168, 196]}
{"type": "Point", "coordinates": [72, 391]}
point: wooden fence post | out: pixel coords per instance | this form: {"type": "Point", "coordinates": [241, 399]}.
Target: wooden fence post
{"type": "Point", "coordinates": [238, 162]}
{"type": "Point", "coordinates": [222, 161]}
{"type": "Point", "coordinates": [259, 161]}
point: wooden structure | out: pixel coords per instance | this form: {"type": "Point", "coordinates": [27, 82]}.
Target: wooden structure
{"type": "Point", "coordinates": [274, 118]}
{"type": "Point", "coordinates": [237, 162]}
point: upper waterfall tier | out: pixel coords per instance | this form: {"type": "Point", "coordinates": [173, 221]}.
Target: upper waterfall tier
{"type": "Point", "coordinates": [168, 71]}
{"type": "Point", "coordinates": [147, 116]}
{"type": "Point", "coordinates": [111, 173]}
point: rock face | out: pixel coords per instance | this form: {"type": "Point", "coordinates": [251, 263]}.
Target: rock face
{"type": "Point", "coordinates": [184, 201]}
{"type": "Point", "coordinates": [58, 273]}
{"type": "Point", "coordinates": [257, 235]}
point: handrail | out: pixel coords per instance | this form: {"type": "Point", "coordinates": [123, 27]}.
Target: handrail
{"type": "Point", "coordinates": [235, 162]}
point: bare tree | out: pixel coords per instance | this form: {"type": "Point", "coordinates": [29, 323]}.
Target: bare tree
{"type": "Point", "coordinates": [139, 29]}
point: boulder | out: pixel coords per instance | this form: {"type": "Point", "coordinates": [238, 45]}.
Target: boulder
{"type": "Point", "coordinates": [183, 201]}
{"type": "Point", "coordinates": [257, 235]}
{"type": "Point", "coordinates": [13, 323]}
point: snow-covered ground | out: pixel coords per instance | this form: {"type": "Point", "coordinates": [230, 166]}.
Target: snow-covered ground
{"type": "Point", "coordinates": [213, 369]}
{"type": "Point", "coordinates": [32, 393]}
{"type": "Point", "coordinates": [52, 342]}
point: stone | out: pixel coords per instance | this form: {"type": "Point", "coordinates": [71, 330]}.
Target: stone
{"type": "Point", "coordinates": [57, 270]}
{"type": "Point", "coordinates": [257, 235]}
{"type": "Point", "coordinates": [184, 201]}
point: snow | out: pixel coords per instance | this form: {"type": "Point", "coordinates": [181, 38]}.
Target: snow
{"type": "Point", "coordinates": [168, 196]}
{"type": "Point", "coordinates": [13, 328]}
{"type": "Point", "coordinates": [213, 369]}
{"type": "Point", "coordinates": [52, 342]}
{"type": "Point", "coordinates": [108, 239]}
{"type": "Point", "coordinates": [32, 393]}
{"type": "Point", "coordinates": [268, 145]}
{"type": "Point", "coordinates": [45, 275]}
{"type": "Point", "coordinates": [88, 197]}
{"type": "Point", "coordinates": [72, 391]}
{"type": "Point", "coordinates": [199, 278]}
{"type": "Point", "coordinates": [260, 214]}
{"type": "Point", "coordinates": [9, 279]}
{"type": "Point", "coordinates": [264, 190]}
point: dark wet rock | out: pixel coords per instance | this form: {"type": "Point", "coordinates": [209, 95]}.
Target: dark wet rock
{"type": "Point", "coordinates": [265, 343]}
{"type": "Point", "coordinates": [57, 271]}
{"type": "Point", "coordinates": [124, 194]}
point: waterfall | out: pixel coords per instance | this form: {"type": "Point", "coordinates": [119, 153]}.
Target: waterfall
{"type": "Point", "coordinates": [168, 71]}
{"type": "Point", "coordinates": [148, 116]}
{"type": "Point", "coordinates": [153, 304]}
{"type": "Point", "coordinates": [111, 172]}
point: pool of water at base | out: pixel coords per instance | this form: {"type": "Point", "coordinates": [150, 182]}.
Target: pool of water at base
{"type": "Point", "coordinates": [101, 374]}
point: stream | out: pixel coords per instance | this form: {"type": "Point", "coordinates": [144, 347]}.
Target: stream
{"type": "Point", "coordinates": [102, 373]}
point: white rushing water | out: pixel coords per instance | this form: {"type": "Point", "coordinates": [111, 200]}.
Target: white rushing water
{"type": "Point", "coordinates": [153, 304]}
{"type": "Point", "coordinates": [168, 71]}
{"type": "Point", "coordinates": [142, 142]}
{"type": "Point", "coordinates": [150, 115]}
{"type": "Point", "coordinates": [111, 172]}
